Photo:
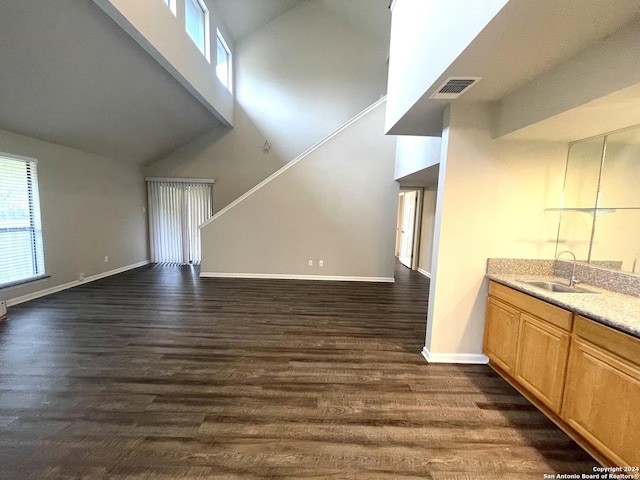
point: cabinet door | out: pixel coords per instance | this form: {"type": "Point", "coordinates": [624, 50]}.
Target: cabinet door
{"type": "Point", "coordinates": [501, 334]}
{"type": "Point", "coordinates": [602, 401]}
{"type": "Point", "coordinates": [543, 350]}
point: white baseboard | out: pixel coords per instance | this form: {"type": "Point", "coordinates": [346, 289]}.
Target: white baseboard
{"type": "Point", "coordinates": [467, 358]}
{"type": "Point", "coordinates": [75, 283]}
{"type": "Point", "coordinates": [424, 272]}
{"type": "Point", "coordinates": [286, 276]}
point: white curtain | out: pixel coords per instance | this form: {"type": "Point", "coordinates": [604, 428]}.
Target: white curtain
{"type": "Point", "coordinates": [176, 209]}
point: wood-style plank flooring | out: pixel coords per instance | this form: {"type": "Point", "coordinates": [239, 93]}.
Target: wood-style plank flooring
{"type": "Point", "coordinates": [157, 374]}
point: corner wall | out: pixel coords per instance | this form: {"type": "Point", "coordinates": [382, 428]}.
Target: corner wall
{"type": "Point", "coordinates": [426, 229]}
{"type": "Point", "coordinates": [416, 153]}
{"type": "Point", "coordinates": [298, 78]}
{"type": "Point", "coordinates": [91, 206]}
{"type": "Point", "coordinates": [491, 200]}
{"type": "Point", "coordinates": [338, 204]}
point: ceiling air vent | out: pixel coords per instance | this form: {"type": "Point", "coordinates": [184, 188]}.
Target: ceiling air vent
{"type": "Point", "coordinates": [453, 87]}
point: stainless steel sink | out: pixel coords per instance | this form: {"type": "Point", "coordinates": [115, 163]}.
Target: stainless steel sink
{"type": "Point", "coordinates": [556, 287]}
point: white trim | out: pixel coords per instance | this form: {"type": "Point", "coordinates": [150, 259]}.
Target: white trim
{"type": "Point", "coordinates": [75, 283]}
{"type": "Point", "coordinates": [13, 156]}
{"type": "Point", "coordinates": [424, 272]}
{"type": "Point", "coordinates": [294, 161]}
{"type": "Point", "coordinates": [179, 180]}
{"type": "Point", "coordinates": [286, 276]}
{"type": "Point", "coordinates": [466, 358]}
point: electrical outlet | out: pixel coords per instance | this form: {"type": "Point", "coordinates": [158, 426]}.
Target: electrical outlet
{"type": "Point", "coordinates": [311, 263]}
{"type": "Point", "coordinates": [321, 263]}
{"type": "Point", "coordinates": [81, 277]}
{"type": "Point", "coordinates": [106, 258]}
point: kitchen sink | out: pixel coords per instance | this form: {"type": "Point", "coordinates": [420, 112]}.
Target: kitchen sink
{"type": "Point", "coordinates": [556, 287]}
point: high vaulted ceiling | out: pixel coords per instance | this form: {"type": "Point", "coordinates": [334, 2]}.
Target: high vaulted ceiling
{"type": "Point", "coordinates": [243, 17]}
{"type": "Point", "coordinates": [371, 18]}
{"type": "Point", "coordinates": [69, 75]}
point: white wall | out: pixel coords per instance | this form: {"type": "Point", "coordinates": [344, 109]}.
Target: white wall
{"type": "Point", "coordinates": [426, 37]}
{"type": "Point", "coordinates": [163, 35]}
{"type": "Point", "coordinates": [298, 79]}
{"type": "Point", "coordinates": [91, 207]}
{"type": "Point", "coordinates": [416, 153]}
{"type": "Point", "coordinates": [429, 196]}
{"type": "Point", "coordinates": [491, 200]}
{"type": "Point", "coordinates": [337, 204]}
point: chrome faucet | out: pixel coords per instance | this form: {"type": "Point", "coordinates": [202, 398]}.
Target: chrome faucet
{"type": "Point", "coordinates": [635, 260]}
{"type": "Point", "coordinates": [573, 280]}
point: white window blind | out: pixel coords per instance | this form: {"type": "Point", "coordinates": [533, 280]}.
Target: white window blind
{"type": "Point", "coordinates": [21, 252]}
{"type": "Point", "coordinates": [196, 22]}
{"type": "Point", "coordinates": [176, 210]}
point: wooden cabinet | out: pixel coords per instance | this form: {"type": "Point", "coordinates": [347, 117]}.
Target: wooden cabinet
{"type": "Point", "coordinates": [602, 400]}
{"type": "Point", "coordinates": [501, 334]}
{"type": "Point", "coordinates": [542, 360]}
{"type": "Point", "coordinates": [583, 375]}
{"type": "Point", "coordinates": [529, 340]}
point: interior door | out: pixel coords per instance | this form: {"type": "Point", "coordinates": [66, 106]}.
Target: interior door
{"type": "Point", "coordinates": [408, 224]}
{"type": "Point", "coordinates": [399, 223]}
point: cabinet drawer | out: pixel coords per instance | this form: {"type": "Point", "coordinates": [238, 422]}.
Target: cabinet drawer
{"type": "Point", "coordinates": [619, 343]}
{"type": "Point", "coordinates": [555, 315]}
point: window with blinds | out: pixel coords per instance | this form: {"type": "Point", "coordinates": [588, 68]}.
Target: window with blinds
{"type": "Point", "coordinates": [21, 252]}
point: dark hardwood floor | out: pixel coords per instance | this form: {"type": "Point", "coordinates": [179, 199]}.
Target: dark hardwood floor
{"type": "Point", "coordinates": [157, 374]}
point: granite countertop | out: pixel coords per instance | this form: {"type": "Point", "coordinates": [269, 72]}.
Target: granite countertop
{"type": "Point", "coordinates": [613, 309]}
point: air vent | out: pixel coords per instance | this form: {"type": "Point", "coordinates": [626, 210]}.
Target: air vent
{"type": "Point", "coordinates": [453, 87]}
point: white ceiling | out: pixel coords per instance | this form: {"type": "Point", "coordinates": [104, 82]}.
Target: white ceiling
{"type": "Point", "coordinates": [606, 114]}
{"type": "Point", "coordinates": [426, 177]}
{"type": "Point", "coordinates": [70, 75]}
{"type": "Point", "coordinates": [525, 39]}
{"type": "Point", "coordinates": [371, 18]}
{"type": "Point", "coordinates": [242, 17]}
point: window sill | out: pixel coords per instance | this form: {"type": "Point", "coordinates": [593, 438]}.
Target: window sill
{"type": "Point", "coordinates": [19, 283]}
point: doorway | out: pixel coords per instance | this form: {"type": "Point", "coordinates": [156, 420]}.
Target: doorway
{"type": "Point", "coordinates": [407, 232]}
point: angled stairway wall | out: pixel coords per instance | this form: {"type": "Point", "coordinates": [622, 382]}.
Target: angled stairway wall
{"type": "Point", "coordinates": [337, 203]}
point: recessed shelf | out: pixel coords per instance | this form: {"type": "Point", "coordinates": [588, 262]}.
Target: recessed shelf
{"type": "Point", "coordinates": [590, 211]}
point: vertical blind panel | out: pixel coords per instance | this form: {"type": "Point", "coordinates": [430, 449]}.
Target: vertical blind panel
{"type": "Point", "coordinates": [176, 210]}
{"type": "Point", "coordinates": [21, 250]}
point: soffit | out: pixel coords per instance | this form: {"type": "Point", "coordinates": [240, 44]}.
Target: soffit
{"type": "Point", "coordinates": [524, 40]}
{"type": "Point", "coordinates": [71, 76]}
